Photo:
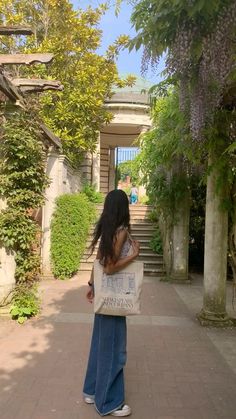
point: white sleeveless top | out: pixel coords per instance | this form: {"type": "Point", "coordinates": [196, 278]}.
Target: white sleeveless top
{"type": "Point", "coordinates": [126, 246]}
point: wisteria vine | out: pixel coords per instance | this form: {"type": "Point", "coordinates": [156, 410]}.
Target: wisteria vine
{"type": "Point", "coordinates": [202, 61]}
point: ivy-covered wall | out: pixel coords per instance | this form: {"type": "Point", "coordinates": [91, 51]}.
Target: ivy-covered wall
{"type": "Point", "coordinates": [22, 184]}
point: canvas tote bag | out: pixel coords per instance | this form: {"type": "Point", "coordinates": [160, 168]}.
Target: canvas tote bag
{"type": "Point", "coordinates": [118, 294]}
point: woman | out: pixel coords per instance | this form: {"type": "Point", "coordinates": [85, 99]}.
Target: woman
{"type": "Point", "coordinates": [134, 195]}
{"type": "Point", "coordinates": [104, 381]}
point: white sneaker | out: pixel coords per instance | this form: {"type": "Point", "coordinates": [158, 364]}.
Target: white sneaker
{"type": "Point", "coordinates": [123, 411]}
{"type": "Point", "coordinates": [89, 400]}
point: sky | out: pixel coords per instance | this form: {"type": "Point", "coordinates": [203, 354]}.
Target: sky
{"type": "Point", "coordinates": [112, 27]}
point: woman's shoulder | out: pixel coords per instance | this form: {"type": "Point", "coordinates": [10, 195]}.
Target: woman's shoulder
{"type": "Point", "coordinates": [122, 231]}
{"type": "Point", "coordinates": [122, 228]}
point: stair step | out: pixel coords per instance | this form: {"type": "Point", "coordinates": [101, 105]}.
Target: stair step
{"type": "Point", "coordinates": [153, 272]}
{"type": "Point", "coordinates": [143, 227]}
{"type": "Point", "coordinates": [147, 262]}
{"type": "Point", "coordinates": [143, 249]}
{"type": "Point", "coordinates": [137, 234]}
{"type": "Point", "coordinates": [153, 269]}
{"type": "Point", "coordinates": [150, 254]}
{"type": "Point", "coordinates": [157, 267]}
{"type": "Point", "coordinates": [138, 225]}
{"type": "Point", "coordinates": [87, 267]}
{"type": "Point", "coordinates": [139, 220]}
{"type": "Point", "coordinates": [131, 210]}
{"type": "Point", "coordinates": [144, 241]}
{"type": "Point", "coordinates": [153, 258]}
{"type": "Point", "coordinates": [145, 212]}
{"type": "Point", "coordinates": [146, 249]}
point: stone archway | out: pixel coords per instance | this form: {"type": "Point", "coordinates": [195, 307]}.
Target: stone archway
{"type": "Point", "coordinates": [130, 119]}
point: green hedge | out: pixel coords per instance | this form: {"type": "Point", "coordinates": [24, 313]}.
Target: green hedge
{"type": "Point", "coordinates": [69, 231]}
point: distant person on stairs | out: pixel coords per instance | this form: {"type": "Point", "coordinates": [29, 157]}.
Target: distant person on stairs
{"type": "Point", "coordinates": [104, 381]}
{"type": "Point", "coordinates": [134, 194]}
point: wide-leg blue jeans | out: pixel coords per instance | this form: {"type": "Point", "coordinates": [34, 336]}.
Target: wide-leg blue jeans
{"type": "Point", "coordinates": [104, 378]}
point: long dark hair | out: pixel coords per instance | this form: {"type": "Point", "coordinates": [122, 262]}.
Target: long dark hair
{"type": "Point", "coordinates": [115, 214]}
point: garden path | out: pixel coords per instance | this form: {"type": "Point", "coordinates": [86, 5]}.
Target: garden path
{"type": "Point", "coordinates": [176, 369]}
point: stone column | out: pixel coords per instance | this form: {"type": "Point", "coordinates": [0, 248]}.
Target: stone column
{"type": "Point", "coordinates": [141, 188]}
{"type": "Point", "coordinates": [96, 166]}
{"type": "Point", "coordinates": [54, 172]}
{"type": "Point", "coordinates": [180, 242]}
{"type": "Point", "coordinates": [86, 168]}
{"type": "Point", "coordinates": [7, 269]}
{"type": "Point", "coordinates": [232, 235]}
{"type": "Point", "coordinates": [180, 230]}
{"type": "Point", "coordinates": [112, 169]}
{"type": "Point", "coordinates": [215, 257]}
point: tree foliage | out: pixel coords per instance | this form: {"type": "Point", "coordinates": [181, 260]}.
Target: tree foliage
{"type": "Point", "coordinates": [170, 163]}
{"type": "Point", "coordinates": [198, 38]}
{"type": "Point", "coordinates": [73, 36]}
{"type": "Point", "coordinates": [129, 168]}
{"type": "Point", "coordinates": [166, 142]}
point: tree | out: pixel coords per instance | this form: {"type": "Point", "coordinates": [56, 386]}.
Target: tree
{"type": "Point", "coordinates": [167, 179]}
{"type": "Point", "coordinates": [77, 113]}
{"type": "Point", "coordinates": [129, 168]}
{"type": "Point", "coordinates": [198, 38]}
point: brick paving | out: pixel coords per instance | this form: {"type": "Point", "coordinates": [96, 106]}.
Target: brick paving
{"type": "Point", "coordinates": [175, 368]}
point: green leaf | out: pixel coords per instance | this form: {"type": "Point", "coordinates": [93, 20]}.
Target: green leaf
{"type": "Point", "coordinates": [14, 311]}
{"type": "Point", "coordinates": [21, 319]}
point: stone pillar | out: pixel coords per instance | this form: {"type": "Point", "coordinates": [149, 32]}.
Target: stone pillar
{"type": "Point", "coordinates": [96, 166]}
{"type": "Point", "coordinates": [54, 172]}
{"type": "Point", "coordinates": [215, 257]}
{"type": "Point", "coordinates": [232, 235]}
{"type": "Point", "coordinates": [180, 229]}
{"type": "Point", "coordinates": [7, 269]}
{"type": "Point", "coordinates": [180, 242]}
{"type": "Point", "coordinates": [141, 188]}
{"type": "Point", "coordinates": [86, 168]}
{"type": "Point", "coordinates": [112, 169]}
{"type": "Point", "coordinates": [7, 273]}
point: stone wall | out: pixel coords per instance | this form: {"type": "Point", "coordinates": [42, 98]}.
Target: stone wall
{"type": "Point", "coordinates": [7, 268]}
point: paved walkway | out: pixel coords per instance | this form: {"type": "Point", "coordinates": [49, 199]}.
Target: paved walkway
{"type": "Point", "coordinates": [175, 369]}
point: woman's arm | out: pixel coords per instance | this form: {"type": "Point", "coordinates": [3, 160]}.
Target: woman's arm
{"type": "Point", "coordinates": [90, 293]}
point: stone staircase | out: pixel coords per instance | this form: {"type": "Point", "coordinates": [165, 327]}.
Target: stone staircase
{"type": "Point", "coordinates": [142, 230]}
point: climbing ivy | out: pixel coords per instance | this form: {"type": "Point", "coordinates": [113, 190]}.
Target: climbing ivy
{"type": "Point", "coordinates": [22, 183]}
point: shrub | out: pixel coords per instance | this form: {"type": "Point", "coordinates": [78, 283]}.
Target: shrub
{"type": "Point", "coordinates": [127, 190]}
{"type": "Point", "coordinates": [153, 216]}
{"type": "Point", "coordinates": [69, 231]}
{"type": "Point", "coordinates": [156, 242]}
{"type": "Point", "coordinates": [93, 195]}
{"type": "Point", "coordinates": [144, 200]}
{"type": "Point", "coordinates": [25, 302]}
